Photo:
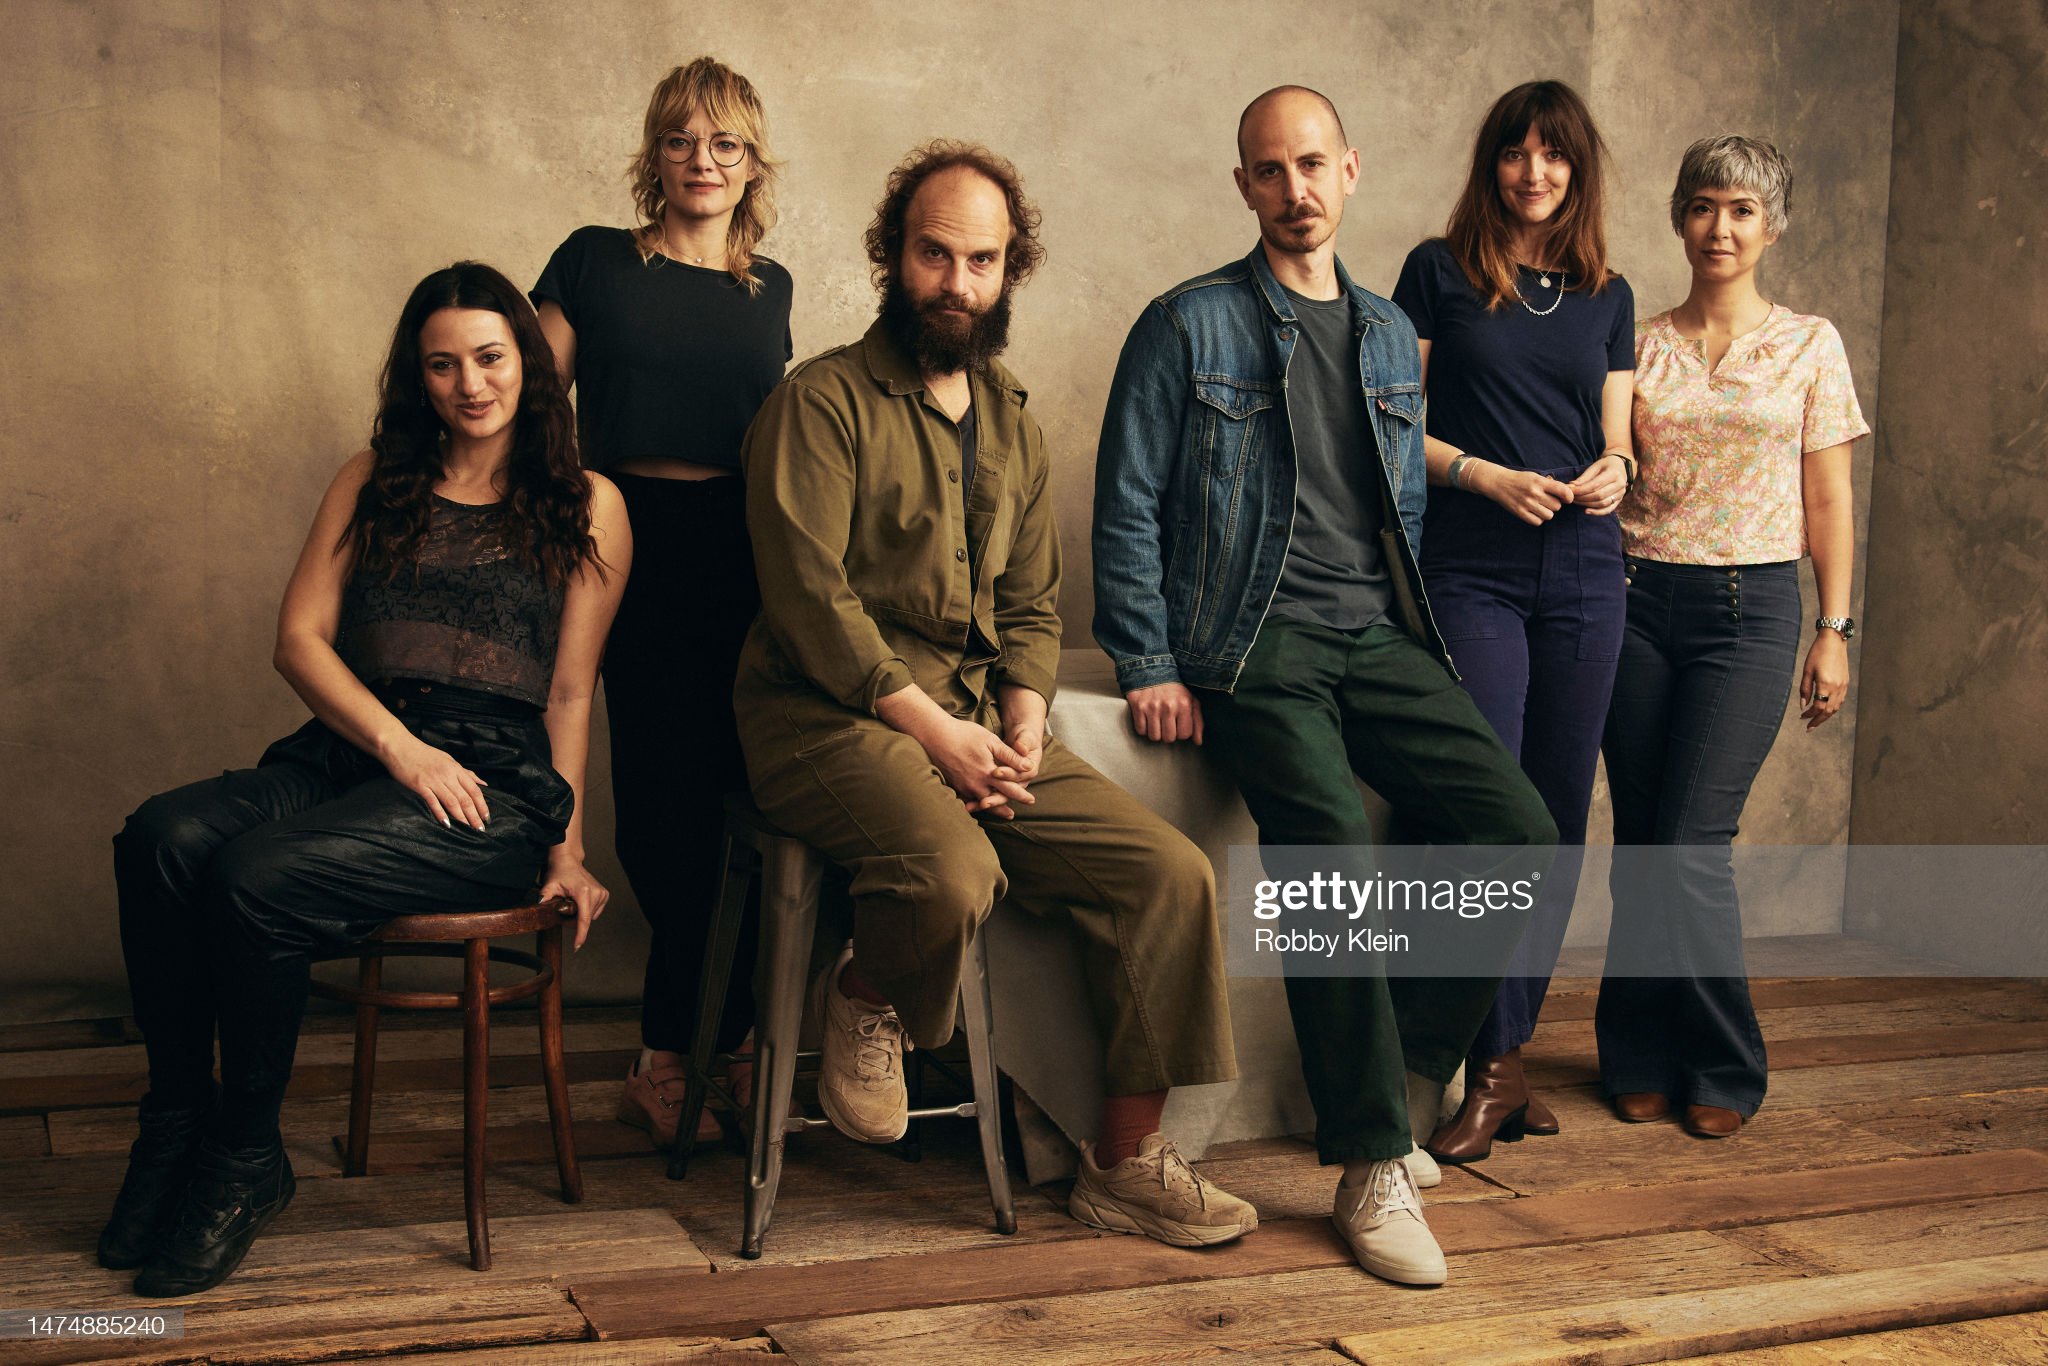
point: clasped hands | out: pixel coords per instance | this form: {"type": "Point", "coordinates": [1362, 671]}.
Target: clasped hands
{"type": "Point", "coordinates": [991, 774]}
{"type": "Point", "coordinates": [1536, 498]}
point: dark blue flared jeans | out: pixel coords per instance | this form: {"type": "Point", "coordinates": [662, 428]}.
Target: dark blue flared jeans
{"type": "Point", "coordinates": [1706, 667]}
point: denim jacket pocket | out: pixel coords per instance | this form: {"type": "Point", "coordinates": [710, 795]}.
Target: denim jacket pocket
{"type": "Point", "coordinates": [1229, 433]}
{"type": "Point", "coordinates": [1402, 400]}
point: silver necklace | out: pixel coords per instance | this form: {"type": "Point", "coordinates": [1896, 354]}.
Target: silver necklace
{"type": "Point", "coordinates": [669, 249]}
{"type": "Point", "coordinates": [1543, 279]}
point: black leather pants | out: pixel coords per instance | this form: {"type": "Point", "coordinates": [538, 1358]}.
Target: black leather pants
{"type": "Point", "coordinates": [229, 887]}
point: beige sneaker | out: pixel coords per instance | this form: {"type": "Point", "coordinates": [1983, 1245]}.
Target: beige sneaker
{"type": "Point", "coordinates": [1382, 1220]}
{"type": "Point", "coordinates": [860, 1077]}
{"type": "Point", "coordinates": [1425, 1106]}
{"type": "Point", "coordinates": [1423, 1168]}
{"type": "Point", "coordinates": [1158, 1194]}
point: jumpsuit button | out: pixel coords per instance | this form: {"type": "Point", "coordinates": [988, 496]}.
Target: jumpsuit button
{"type": "Point", "coordinates": [1286, 334]}
{"type": "Point", "coordinates": [426, 688]}
{"type": "Point", "coordinates": [401, 704]}
{"type": "Point", "coordinates": [959, 554]}
{"type": "Point", "coordinates": [952, 476]}
{"type": "Point", "coordinates": [1735, 573]}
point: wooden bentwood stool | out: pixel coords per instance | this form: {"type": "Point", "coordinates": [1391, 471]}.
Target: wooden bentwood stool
{"type": "Point", "coordinates": [790, 873]}
{"type": "Point", "coordinates": [468, 936]}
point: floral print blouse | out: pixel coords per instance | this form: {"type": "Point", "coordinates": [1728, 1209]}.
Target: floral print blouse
{"type": "Point", "coordinates": [1720, 451]}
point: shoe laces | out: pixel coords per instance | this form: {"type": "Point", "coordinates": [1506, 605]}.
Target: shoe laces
{"type": "Point", "coordinates": [878, 1043]}
{"type": "Point", "coordinates": [1393, 1188]}
{"type": "Point", "coordinates": [1177, 1175]}
{"type": "Point", "coordinates": [209, 1208]}
{"type": "Point", "coordinates": [668, 1086]}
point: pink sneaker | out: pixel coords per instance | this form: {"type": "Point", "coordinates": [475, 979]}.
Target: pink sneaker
{"type": "Point", "coordinates": [653, 1100]}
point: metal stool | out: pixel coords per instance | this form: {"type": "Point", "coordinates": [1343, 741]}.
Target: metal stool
{"type": "Point", "coordinates": [468, 936]}
{"type": "Point", "coordinates": [790, 872]}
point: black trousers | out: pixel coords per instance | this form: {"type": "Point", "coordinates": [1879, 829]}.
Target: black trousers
{"type": "Point", "coordinates": [668, 677]}
{"type": "Point", "coordinates": [231, 886]}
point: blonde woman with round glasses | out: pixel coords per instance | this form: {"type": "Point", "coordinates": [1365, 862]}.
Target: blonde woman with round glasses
{"type": "Point", "coordinates": [672, 332]}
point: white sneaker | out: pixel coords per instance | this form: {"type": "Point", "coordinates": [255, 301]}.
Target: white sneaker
{"type": "Point", "coordinates": [1158, 1194]}
{"type": "Point", "coordinates": [1423, 1168]}
{"type": "Point", "coordinates": [1382, 1220]}
{"type": "Point", "coordinates": [1425, 1105]}
{"type": "Point", "coordinates": [860, 1076]}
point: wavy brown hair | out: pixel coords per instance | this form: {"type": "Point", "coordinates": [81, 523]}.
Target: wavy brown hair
{"type": "Point", "coordinates": [547, 493]}
{"type": "Point", "coordinates": [735, 106]}
{"type": "Point", "coordinates": [884, 236]}
{"type": "Point", "coordinates": [1481, 230]}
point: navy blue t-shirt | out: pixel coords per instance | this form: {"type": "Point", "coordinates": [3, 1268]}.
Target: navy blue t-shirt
{"type": "Point", "coordinates": [1509, 386]}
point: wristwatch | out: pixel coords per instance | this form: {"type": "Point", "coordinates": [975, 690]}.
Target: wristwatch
{"type": "Point", "coordinates": [1843, 626]}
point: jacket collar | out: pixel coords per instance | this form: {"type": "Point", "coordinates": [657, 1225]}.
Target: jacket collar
{"type": "Point", "coordinates": [899, 374]}
{"type": "Point", "coordinates": [1283, 308]}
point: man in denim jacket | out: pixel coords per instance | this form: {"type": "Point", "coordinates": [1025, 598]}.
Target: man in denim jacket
{"type": "Point", "coordinates": [1252, 588]}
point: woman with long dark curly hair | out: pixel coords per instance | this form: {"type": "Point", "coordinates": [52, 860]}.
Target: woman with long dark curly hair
{"type": "Point", "coordinates": [673, 332]}
{"type": "Point", "coordinates": [443, 624]}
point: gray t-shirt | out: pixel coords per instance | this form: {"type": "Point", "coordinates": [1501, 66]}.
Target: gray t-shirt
{"type": "Point", "coordinates": [1334, 573]}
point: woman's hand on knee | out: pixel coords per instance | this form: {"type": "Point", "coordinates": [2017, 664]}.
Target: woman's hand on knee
{"type": "Point", "coordinates": [450, 791]}
{"type": "Point", "coordinates": [566, 876]}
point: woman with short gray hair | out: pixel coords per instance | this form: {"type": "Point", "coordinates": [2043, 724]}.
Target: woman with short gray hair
{"type": "Point", "coordinates": [1743, 415]}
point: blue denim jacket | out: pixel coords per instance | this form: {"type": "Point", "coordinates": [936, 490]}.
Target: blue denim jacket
{"type": "Point", "coordinates": [1194, 480]}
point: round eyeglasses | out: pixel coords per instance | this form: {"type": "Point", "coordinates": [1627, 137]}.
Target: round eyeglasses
{"type": "Point", "coordinates": [678, 145]}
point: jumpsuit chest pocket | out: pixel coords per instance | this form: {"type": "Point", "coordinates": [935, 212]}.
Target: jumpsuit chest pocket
{"type": "Point", "coordinates": [1233, 424]}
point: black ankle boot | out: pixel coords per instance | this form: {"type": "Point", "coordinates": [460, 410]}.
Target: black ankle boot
{"type": "Point", "coordinates": [159, 1169]}
{"type": "Point", "coordinates": [233, 1196]}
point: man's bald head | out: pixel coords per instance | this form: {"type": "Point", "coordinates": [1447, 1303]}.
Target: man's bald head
{"type": "Point", "coordinates": [1281, 95]}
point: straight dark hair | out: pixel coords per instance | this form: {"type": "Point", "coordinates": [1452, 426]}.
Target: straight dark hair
{"type": "Point", "coordinates": [547, 494]}
{"type": "Point", "coordinates": [1481, 230]}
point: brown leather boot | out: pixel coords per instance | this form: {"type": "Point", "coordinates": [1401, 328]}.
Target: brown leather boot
{"type": "Point", "coordinates": [1540, 1121]}
{"type": "Point", "coordinates": [1641, 1107]}
{"type": "Point", "coordinates": [1496, 1106]}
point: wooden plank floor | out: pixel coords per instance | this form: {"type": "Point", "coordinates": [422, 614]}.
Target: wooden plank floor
{"type": "Point", "coordinates": [1889, 1204]}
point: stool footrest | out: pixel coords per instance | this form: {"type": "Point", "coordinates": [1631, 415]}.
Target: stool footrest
{"type": "Point", "coordinates": [788, 875]}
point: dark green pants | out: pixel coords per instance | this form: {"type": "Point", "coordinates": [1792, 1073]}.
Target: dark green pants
{"type": "Point", "coordinates": [1312, 708]}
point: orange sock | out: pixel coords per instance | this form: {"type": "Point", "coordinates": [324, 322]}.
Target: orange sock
{"type": "Point", "coordinates": [855, 987]}
{"type": "Point", "coordinates": [1126, 1120]}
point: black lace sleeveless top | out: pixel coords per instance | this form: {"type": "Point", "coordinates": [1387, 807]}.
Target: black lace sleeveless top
{"type": "Point", "coordinates": [475, 615]}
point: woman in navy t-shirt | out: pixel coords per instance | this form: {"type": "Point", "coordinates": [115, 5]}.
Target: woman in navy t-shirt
{"type": "Point", "coordinates": [673, 333]}
{"type": "Point", "coordinates": [1528, 352]}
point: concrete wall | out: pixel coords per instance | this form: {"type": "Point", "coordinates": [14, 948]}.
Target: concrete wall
{"type": "Point", "coordinates": [1953, 743]}
{"type": "Point", "coordinates": [212, 210]}
{"type": "Point", "coordinates": [1954, 734]}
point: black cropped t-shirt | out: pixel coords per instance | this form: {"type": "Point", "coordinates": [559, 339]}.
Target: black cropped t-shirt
{"type": "Point", "coordinates": [671, 359]}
